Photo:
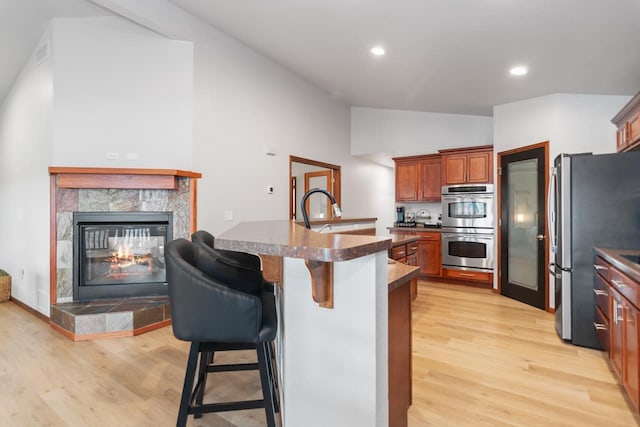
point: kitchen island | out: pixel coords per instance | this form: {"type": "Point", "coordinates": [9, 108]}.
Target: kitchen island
{"type": "Point", "coordinates": [333, 307]}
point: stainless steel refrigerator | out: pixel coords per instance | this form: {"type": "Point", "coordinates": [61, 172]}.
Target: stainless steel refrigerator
{"type": "Point", "coordinates": [594, 201]}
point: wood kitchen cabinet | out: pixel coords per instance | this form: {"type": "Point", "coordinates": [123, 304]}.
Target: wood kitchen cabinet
{"type": "Point", "coordinates": [616, 332]}
{"type": "Point", "coordinates": [425, 252]}
{"type": "Point", "coordinates": [631, 366]}
{"type": "Point", "coordinates": [621, 318]}
{"type": "Point", "coordinates": [467, 166]}
{"type": "Point", "coordinates": [627, 122]}
{"type": "Point", "coordinates": [418, 178]}
{"type": "Point", "coordinates": [429, 253]}
{"type": "Point", "coordinates": [406, 181]}
{"type": "Point", "coordinates": [405, 250]}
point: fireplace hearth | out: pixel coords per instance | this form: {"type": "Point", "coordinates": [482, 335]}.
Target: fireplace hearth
{"type": "Point", "coordinates": [119, 254]}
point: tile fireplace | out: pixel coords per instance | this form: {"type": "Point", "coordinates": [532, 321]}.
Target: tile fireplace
{"type": "Point", "coordinates": [116, 221]}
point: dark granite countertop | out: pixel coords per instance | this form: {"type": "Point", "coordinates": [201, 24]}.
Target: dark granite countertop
{"type": "Point", "coordinates": [403, 239]}
{"type": "Point", "coordinates": [399, 273]}
{"type": "Point", "coordinates": [289, 239]}
{"type": "Point", "coordinates": [614, 257]}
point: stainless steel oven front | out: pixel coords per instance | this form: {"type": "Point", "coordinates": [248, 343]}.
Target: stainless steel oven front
{"type": "Point", "coordinates": [468, 206]}
{"type": "Point", "coordinates": [468, 248]}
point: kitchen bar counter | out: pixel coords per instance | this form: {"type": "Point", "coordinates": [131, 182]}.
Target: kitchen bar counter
{"type": "Point", "coordinates": [614, 256]}
{"type": "Point", "coordinates": [333, 362]}
{"type": "Point", "coordinates": [290, 239]}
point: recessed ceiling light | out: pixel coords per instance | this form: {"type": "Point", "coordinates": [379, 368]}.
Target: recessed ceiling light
{"type": "Point", "coordinates": [377, 51]}
{"type": "Point", "coordinates": [519, 70]}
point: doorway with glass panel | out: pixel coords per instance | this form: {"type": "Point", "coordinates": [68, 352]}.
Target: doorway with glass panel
{"type": "Point", "coordinates": [523, 244]}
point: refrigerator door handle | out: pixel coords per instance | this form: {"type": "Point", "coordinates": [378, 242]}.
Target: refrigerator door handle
{"type": "Point", "coordinates": [552, 270]}
{"type": "Point", "coordinates": [551, 209]}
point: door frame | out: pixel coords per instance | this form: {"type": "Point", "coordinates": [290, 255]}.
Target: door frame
{"type": "Point", "coordinates": [336, 180]}
{"type": "Point", "coordinates": [545, 145]}
{"type": "Point", "coordinates": [328, 174]}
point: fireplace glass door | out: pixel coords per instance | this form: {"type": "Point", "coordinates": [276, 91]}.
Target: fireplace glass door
{"type": "Point", "coordinates": [120, 254]}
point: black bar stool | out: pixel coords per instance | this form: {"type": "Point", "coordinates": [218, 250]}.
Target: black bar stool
{"type": "Point", "coordinates": [205, 240]}
{"type": "Point", "coordinates": [219, 315]}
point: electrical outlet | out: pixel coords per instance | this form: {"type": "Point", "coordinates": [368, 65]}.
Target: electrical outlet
{"type": "Point", "coordinates": [113, 156]}
{"type": "Point", "coordinates": [228, 215]}
{"type": "Point", "coordinates": [131, 156]}
{"type": "Point", "coordinates": [270, 189]}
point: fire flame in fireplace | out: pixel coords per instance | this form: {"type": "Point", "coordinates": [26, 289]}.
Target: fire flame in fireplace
{"type": "Point", "coordinates": [123, 258]}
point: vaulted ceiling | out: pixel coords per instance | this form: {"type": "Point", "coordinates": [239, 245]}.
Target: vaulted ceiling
{"type": "Point", "coordinates": [449, 56]}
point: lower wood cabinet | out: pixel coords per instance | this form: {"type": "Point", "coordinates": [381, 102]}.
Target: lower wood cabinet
{"type": "Point", "coordinates": [476, 276]}
{"type": "Point", "coordinates": [429, 253]}
{"type": "Point", "coordinates": [400, 353]}
{"type": "Point", "coordinates": [617, 323]}
{"type": "Point", "coordinates": [631, 365]}
{"type": "Point", "coordinates": [616, 348]}
{"type": "Point", "coordinates": [407, 253]}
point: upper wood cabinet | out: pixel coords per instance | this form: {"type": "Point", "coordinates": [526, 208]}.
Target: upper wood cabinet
{"type": "Point", "coordinates": [418, 178]}
{"type": "Point", "coordinates": [628, 123]}
{"type": "Point", "coordinates": [467, 165]}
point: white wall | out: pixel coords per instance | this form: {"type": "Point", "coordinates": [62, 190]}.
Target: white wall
{"type": "Point", "coordinates": [244, 102]}
{"type": "Point", "coordinates": [25, 154]}
{"type": "Point", "coordinates": [571, 124]}
{"type": "Point", "coordinates": [405, 133]}
{"type": "Point", "coordinates": [120, 88]}
{"type": "Point", "coordinates": [107, 86]}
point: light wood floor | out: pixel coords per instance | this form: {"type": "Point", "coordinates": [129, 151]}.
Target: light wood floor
{"type": "Point", "coordinates": [479, 360]}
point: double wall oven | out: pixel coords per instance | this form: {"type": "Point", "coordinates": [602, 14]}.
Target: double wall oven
{"type": "Point", "coordinates": [468, 240]}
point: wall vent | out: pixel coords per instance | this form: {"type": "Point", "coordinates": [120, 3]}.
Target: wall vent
{"type": "Point", "coordinates": [42, 53]}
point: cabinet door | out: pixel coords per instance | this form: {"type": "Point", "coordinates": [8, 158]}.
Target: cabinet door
{"type": "Point", "coordinates": [633, 129]}
{"type": "Point", "coordinates": [479, 167]}
{"type": "Point", "coordinates": [412, 259]}
{"type": "Point", "coordinates": [430, 180]}
{"type": "Point", "coordinates": [454, 169]}
{"type": "Point", "coordinates": [429, 257]}
{"type": "Point", "coordinates": [621, 138]}
{"type": "Point", "coordinates": [406, 181]}
{"type": "Point", "coordinates": [616, 323]}
{"type": "Point", "coordinates": [631, 359]}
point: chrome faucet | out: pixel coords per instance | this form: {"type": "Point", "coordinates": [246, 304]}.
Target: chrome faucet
{"type": "Point", "coordinates": [336, 209]}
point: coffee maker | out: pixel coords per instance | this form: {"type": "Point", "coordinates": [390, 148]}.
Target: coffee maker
{"type": "Point", "coordinates": [399, 214]}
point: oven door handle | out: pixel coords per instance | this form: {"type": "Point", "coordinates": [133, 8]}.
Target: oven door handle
{"type": "Point", "coordinates": [472, 236]}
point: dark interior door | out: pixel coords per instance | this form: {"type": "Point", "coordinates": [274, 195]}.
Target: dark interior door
{"type": "Point", "coordinates": [522, 230]}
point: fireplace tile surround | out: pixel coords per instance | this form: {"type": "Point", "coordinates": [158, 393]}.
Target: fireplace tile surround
{"type": "Point", "coordinates": [111, 190]}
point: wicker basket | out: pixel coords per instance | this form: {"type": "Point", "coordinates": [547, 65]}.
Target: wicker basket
{"type": "Point", "coordinates": [5, 288]}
